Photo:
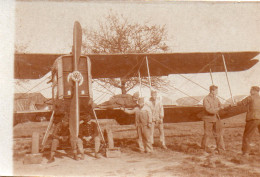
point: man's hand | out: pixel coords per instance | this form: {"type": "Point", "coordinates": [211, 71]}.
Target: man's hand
{"type": "Point", "coordinates": [230, 105]}
{"type": "Point", "coordinates": [158, 121]}
{"type": "Point", "coordinates": [90, 121]}
{"type": "Point", "coordinates": [87, 138]}
{"type": "Point", "coordinates": [149, 125]}
{"type": "Point", "coordinates": [64, 138]}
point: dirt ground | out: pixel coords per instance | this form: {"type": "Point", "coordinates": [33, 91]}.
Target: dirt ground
{"type": "Point", "coordinates": [184, 156]}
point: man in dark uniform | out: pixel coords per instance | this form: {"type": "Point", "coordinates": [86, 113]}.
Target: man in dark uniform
{"type": "Point", "coordinates": [88, 129]}
{"type": "Point", "coordinates": [212, 122]}
{"type": "Point", "coordinates": [60, 135]}
{"type": "Point", "coordinates": [89, 132]}
{"type": "Point", "coordinates": [252, 118]}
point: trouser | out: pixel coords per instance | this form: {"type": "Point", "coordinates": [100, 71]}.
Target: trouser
{"type": "Point", "coordinates": [96, 140]}
{"type": "Point", "coordinates": [217, 129]}
{"type": "Point", "coordinates": [144, 138]}
{"type": "Point", "coordinates": [97, 143]}
{"type": "Point", "coordinates": [77, 144]}
{"type": "Point", "coordinates": [56, 142]}
{"type": "Point", "coordinates": [54, 145]}
{"type": "Point", "coordinates": [249, 132]}
{"type": "Point", "coordinates": [161, 132]}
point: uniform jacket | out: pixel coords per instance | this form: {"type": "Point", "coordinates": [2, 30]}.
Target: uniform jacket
{"type": "Point", "coordinates": [253, 107]}
{"type": "Point", "coordinates": [60, 130]}
{"type": "Point", "coordinates": [211, 106]}
{"type": "Point", "coordinates": [143, 116]}
{"type": "Point", "coordinates": [157, 109]}
{"type": "Point", "coordinates": [86, 129]}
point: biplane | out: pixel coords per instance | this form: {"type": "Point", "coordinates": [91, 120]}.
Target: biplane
{"type": "Point", "coordinates": [72, 76]}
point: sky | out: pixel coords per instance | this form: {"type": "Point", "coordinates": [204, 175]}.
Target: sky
{"type": "Point", "coordinates": [46, 27]}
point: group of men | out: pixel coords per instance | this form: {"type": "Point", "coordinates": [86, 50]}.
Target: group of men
{"type": "Point", "coordinates": [88, 134]}
{"type": "Point", "coordinates": [212, 121]}
{"type": "Point", "coordinates": [149, 115]}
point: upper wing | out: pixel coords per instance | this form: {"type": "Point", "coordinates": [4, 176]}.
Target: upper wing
{"type": "Point", "coordinates": [33, 66]}
{"type": "Point", "coordinates": [109, 66]}
{"type": "Point", "coordinates": [127, 65]}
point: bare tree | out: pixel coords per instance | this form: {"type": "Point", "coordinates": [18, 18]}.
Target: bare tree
{"type": "Point", "coordinates": [117, 34]}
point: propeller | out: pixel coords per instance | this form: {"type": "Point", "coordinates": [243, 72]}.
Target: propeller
{"type": "Point", "coordinates": [76, 76]}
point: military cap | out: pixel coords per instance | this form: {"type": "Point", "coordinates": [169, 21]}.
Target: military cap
{"type": "Point", "coordinates": [136, 95]}
{"type": "Point", "coordinates": [256, 88]}
{"type": "Point", "coordinates": [153, 92]}
{"type": "Point", "coordinates": [213, 87]}
{"type": "Point", "coordinates": [141, 100]}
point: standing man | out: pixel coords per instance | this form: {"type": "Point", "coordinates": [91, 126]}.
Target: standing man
{"type": "Point", "coordinates": [212, 122]}
{"type": "Point", "coordinates": [143, 122]}
{"type": "Point", "coordinates": [157, 117]}
{"type": "Point", "coordinates": [252, 118]}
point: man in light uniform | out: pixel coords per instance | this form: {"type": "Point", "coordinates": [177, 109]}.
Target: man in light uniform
{"type": "Point", "coordinates": [212, 122]}
{"type": "Point", "coordinates": [158, 114]}
{"type": "Point", "coordinates": [143, 122]}
{"type": "Point", "coordinates": [252, 118]}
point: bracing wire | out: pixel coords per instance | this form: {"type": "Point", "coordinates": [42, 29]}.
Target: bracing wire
{"type": "Point", "coordinates": [179, 91]}
{"type": "Point", "coordinates": [32, 88]}
{"type": "Point", "coordinates": [185, 77]}
{"type": "Point", "coordinates": [105, 88]}
{"type": "Point", "coordinates": [44, 88]}
{"type": "Point", "coordinates": [215, 57]}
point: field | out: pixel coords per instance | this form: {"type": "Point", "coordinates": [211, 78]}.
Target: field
{"type": "Point", "coordinates": [184, 157]}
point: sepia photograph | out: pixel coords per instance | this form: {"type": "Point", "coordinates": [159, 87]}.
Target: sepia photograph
{"type": "Point", "coordinates": [131, 88]}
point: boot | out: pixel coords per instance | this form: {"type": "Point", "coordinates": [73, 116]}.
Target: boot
{"type": "Point", "coordinates": [97, 155]}
{"type": "Point", "coordinates": [208, 150]}
{"type": "Point", "coordinates": [75, 156]}
{"type": "Point", "coordinates": [221, 151]}
{"type": "Point", "coordinates": [51, 159]}
{"type": "Point", "coordinates": [164, 146]}
{"type": "Point", "coordinates": [82, 157]}
{"type": "Point", "coordinates": [245, 154]}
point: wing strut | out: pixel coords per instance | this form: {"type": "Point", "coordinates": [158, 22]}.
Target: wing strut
{"type": "Point", "coordinates": [148, 71]}
{"type": "Point", "coordinates": [140, 83]}
{"type": "Point", "coordinates": [211, 76]}
{"type": "Point", "coordinates": [224, 62]}
{"type": "Point", "coordinates": [46, 135]}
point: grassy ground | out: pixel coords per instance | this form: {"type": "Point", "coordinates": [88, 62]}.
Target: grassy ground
{"type": "Point", "coordinates": [184, 156]}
